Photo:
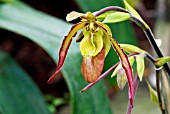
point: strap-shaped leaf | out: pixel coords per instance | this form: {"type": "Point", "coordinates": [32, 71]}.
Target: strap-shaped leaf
{"type": "Point", "coordinates": [18, 93]}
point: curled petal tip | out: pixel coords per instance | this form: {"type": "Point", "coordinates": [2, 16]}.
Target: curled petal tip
{"type": "Point", "coordinates": [51, 79]}
{"type": "Point", "coordinates": [131, 102]}
{"type": "Point", "coordinates": [82, 91]}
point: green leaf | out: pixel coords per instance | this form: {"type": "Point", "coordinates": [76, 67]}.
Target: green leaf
{"type": "Point", "coordinates": [161, 61]}
{"type": "Point", "coordinates": [116, 17]}
{"type": "Point", "coordinates": [153, 93]}
{"type": "Point", "coordinates": [48, 33]}
{"type": "Point", "coordinates": [18, 93]}
{"type": "Point", "coordinates": [140, 66]}
{"type": "Point", "coordinates": [134, 12]}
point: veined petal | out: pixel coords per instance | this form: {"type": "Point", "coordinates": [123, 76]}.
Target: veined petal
{"type": "Point", "coordinates": [92, 66]}
{"type": "Point", "coordinates": [64, 48]}
{"type": "Point", "coordinates": [125, 64]}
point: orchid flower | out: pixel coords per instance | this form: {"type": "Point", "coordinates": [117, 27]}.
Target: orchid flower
{"type": "Point", "coordinates": [94, 46]}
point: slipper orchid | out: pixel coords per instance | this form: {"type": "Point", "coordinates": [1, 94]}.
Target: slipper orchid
{"type": "Point", "coordinates": [95, 44]}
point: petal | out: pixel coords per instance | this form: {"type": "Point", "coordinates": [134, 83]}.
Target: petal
{"type": "Point", "coordinates": [106, 39]}
{"type": "Point", "coordinates": [119, 66]}
{"type": "Point", "coordinates": [86, 46]}
{"type": "Point", "coordinates": [73, 15]}
{"type": "Point", "coordinates": [140, 66]}
{"type": "Point", "coordinates": [107, 44]}
{"type": "Point", "coordinates": [92, 43]}
{"type": "Point", "coordinates": [116, 17]}
{"type": "Point", "coordinates": [92, 66]}
{"type": "Point", "coordinates": [125, 64]}
{"type": "Point", "coordinates": [64, 48]}
{"type": "Point", "coordinates": [131, 48]}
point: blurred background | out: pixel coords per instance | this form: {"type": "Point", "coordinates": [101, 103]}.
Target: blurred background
{"type": "Point", "coordinates": [39, 65]}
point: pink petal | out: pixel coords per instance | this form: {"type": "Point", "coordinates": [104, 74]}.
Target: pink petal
{"type": "Point", "coordinates": [64, 48]}
{"type": "Point", "coordinates": [124, 61]}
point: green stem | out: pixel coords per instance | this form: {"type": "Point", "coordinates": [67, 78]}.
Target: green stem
{"type": "Point", "coordinates": [159, 91]}
{"type": "Point", "coordinates": [151, 39]}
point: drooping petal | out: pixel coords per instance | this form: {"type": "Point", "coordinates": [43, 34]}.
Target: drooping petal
{"type": "Point", "coordinates": [92, 66]}
{"type": "Point", "coordinates": [125, 64]}
{"type": "Point", "coordinates": [64, 48]}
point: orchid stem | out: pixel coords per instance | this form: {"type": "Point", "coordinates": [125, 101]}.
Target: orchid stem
{"type": "Point", "coordinates": [110, 8]}
{"type": "Point", "coordinates": [159, 91]}
{"type": "Point", "coordinates": [151, 39]}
